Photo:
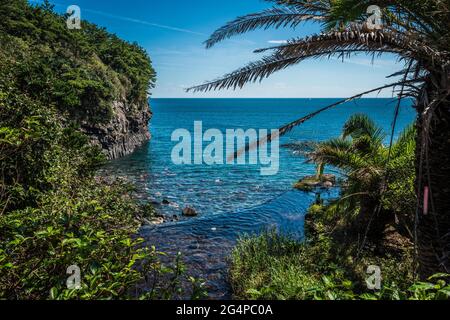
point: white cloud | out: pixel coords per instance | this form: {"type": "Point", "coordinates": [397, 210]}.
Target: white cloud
{"type": "Point", "coordinates": [277, 41]}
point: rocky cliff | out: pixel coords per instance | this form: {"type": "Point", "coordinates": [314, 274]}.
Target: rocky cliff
{"type": "Point", "coordinates": [90, 77]}
{"type": "Point", "coordinates": [125, 132]}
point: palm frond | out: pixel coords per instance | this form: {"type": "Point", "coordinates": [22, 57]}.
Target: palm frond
{"type": "Point", "coordinates": [410, 30]}
{"type": "Point", "coordinates": [360, 125]}
{"type": "Point", "coordinates": [404, 15]}
{"type": "Point", "coordinates": [405, 142]}
{"type": "Point", "coordinates": [343, 12]}
{"type": "Point", "coordinates": [275, 17]}
{"type": "Point", "coordinates": [253, 72]}
{"type": "Point", "coordinates": [355, 38]}
{"type": "Point", "coordinates": [325, 148]}
{"type": "Point", "coordinates": [358, 165]}
{"type": "Point", "coordinates": [259, 70]}
{"type": "Point", "coordinates": [323, 45]}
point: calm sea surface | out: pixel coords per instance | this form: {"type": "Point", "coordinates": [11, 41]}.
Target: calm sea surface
{"type": "Point", "coordinates": [233, 200]}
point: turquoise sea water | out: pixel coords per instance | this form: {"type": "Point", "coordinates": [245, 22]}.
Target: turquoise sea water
{"type": "Point", "coordinates": [233, 200]}
{"type": "Point", "coordinates": [224, 188]}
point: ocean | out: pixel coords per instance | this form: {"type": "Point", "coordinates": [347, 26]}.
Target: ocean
{"type": "Point", "coordinates": [233, 200]}
{"type": "Point", "coordinates": [224, 188]}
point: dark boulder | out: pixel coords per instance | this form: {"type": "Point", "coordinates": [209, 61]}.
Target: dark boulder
{"type": "Point", "coordinates": [189, 212]}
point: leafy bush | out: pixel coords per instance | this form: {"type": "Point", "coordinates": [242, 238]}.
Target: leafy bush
{"type": "Point", "coordinates": [54, 214]}
{"type": "Point", "coordinates": [91, 226]}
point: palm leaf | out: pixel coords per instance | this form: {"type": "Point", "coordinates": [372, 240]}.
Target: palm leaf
{"type": "Point", "coordinates": [354, 38]}
{"type": "Point", "coordinates": [324, 45]}
{"type": "Point", "coordinates": [275, 17]}
{"type": "Point", "coordinates": [405, 142]}
{"type": "Point", "coordinates": [360, 125]}
{"type": "Point", "coordinates": [253, 72]}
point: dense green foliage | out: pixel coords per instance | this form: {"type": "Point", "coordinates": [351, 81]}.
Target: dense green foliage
{"type": "Point", "coordinates": [52, 81]}
{"type": "Point", "coordinates": [340, 246]}
{"type": "Point", "coordinates": [54, 213]}
{"type": "Point", "coordinates": [379, 179]}
{"type": "Point", "coordinates": [79, 71]}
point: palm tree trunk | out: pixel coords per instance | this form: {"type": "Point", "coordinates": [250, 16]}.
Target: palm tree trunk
{"type": "Point", "coordinates": [433, 215]}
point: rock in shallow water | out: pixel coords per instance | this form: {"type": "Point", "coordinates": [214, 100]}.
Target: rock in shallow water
{"type": "Point", "coordinates": [155, 221]}
{"type": "Point", "coordinates": [189, 212]}
{"type": "Point", "coordinates": [328, 184]}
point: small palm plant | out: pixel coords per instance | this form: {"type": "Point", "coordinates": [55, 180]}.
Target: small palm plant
{"type": "Point", "coordinates": [361, 156]}
{"type": "Point", "coordinates": [418, 32]}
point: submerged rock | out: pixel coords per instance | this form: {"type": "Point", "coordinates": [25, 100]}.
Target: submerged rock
{"type": "Point", "coordinates": [189, 212]}
{"type": "Point", "coordinates": [311, 182]}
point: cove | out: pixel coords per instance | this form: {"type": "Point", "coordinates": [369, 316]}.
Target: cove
{"type": "Point", "coordinates": [231, 200]}
{"type": "Point", "coordinates": [207, 242]}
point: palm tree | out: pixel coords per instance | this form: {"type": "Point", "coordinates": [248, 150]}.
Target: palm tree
{"type": "Point", "coordinates": [415, 30]}
{"type": "Point", "coordinates": [361, 156]}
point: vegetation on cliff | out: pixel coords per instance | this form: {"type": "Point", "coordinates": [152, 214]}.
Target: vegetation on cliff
{"type": "Point", "coordinates": [53, 212]}
{"type": "Point", "coordinates": [79, 72]}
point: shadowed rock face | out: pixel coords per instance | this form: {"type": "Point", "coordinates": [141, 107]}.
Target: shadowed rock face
{"type": "Point", "coordinates": [125, 132]}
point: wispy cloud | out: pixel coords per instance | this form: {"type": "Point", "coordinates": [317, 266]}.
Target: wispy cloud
{"type": "Point", "coordinates": [128, 19]}
{"type": "Point", "coordinates": [277, 41]}
{"type": "Point", "coordinates": [143, 22]}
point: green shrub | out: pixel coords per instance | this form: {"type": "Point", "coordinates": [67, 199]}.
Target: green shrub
{"type": "Point", "coordinates": [55, 214]}
{"type": "Point", "coordinates": [86, 224]}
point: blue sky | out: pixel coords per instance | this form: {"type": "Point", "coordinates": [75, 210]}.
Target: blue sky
{"type": "Point", "coordinates": [173, 31]}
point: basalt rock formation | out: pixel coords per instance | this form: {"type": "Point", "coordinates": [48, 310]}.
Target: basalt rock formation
{"type": "Point", "coordinates": [126, 131]}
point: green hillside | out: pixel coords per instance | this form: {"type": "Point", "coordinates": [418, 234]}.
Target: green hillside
{"type": "Point", "coordinates": [53, 212]}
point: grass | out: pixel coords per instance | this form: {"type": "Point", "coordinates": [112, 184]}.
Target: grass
{"type": "Point", "coordinates": [272, 266]}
